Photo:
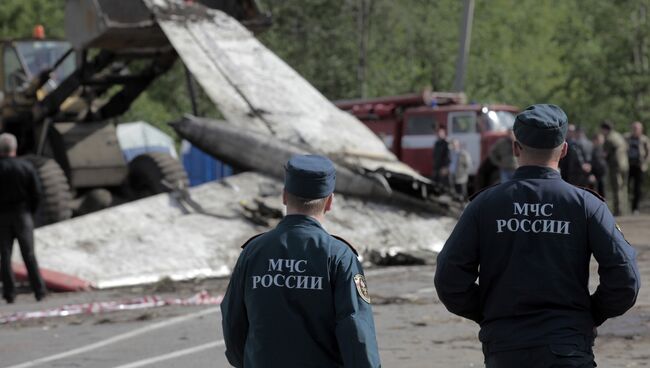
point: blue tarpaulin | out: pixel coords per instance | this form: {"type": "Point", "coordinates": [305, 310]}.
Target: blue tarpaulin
{"type": "Point", "coordinates": [201, 167]}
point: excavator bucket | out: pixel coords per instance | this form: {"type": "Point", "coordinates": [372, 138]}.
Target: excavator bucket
{"type": "Point", "coordinates": [129, 24]}
{"type": "Point", "coordinates": [111, 25]}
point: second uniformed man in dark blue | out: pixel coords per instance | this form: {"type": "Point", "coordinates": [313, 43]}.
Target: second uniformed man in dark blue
{"type": "Point", "coordinates": [297, 296]}
{"type": "Point", "coordinates": [517, 262]}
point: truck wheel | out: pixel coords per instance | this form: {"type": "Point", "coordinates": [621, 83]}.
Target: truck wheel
{"type": "Point", "coordinates": [153, 172]}
{"type": "Point", "coordinates": [95, 200]}
{"type": "Point", "coordinates": [56, 200]}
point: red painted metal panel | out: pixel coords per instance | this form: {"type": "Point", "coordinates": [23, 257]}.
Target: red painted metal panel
{"type": "Point", "coordinates": [55, 281]}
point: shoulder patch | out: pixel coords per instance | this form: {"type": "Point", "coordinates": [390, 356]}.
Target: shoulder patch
{"type": "Point", "coordinates": [348, 243]}
{"type": "Point", "coordinates": [596, 194]}
{"type": "Point", "coordinates": [362, 287]}
{"type": "Point", "coordinates": [471, 198]}
{"type": "Point", "coordinates": [251, 239]}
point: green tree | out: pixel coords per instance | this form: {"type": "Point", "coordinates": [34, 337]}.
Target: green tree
{"type": "Point", "coordinates": [317, 38]}
{"type": "Point", "coordinates": [606, 54]}
{"type": "Point", "coordinates": [514, 56]}
{"type": "Point", "coordinates": [18, 17]}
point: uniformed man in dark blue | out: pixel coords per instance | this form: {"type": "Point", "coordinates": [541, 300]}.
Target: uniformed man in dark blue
{"type": "Point", "coordinates": [297, 296]}
{"type": "Point", "coordinates": [517, 262]}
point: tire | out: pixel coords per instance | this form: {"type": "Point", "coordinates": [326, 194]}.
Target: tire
{"type": "Point", "coordinates": [56, 199]}
{"type": "Point", "coordinates": [94, 200]}
{"type": "Point", "coordinates": [149, 172]}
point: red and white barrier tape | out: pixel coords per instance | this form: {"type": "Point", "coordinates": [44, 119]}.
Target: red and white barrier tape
{"type": "Point", "coordinates": [145, 302]}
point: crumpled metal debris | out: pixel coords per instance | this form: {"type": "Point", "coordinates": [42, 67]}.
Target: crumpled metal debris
{"type": "Point", "coordinates": [93, 308]}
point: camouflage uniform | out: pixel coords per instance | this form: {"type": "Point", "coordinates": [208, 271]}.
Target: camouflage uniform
{"type": "Point", "coordinates": [616, 153]}
{"type": "Point", "coordinates": [502, 157]}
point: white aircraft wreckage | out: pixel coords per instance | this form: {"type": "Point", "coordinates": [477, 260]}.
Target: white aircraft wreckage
{"type": "Point", "coordinates": [383, 207]}
{"type": "Point", "coordinates": [199, 233]}
{"type": "Point", "coordinates": [274, 112]}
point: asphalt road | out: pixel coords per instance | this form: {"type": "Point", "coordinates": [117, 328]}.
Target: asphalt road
{"type": "Point", "coordinates": [173, 336]}
{"type": "Point", "coordinates": [414, 329]}
{"type": "Point", "coordinates": [166, 342]}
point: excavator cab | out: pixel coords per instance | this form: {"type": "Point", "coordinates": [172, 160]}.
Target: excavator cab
{"type": "Point", "coordinates": [24, 60]}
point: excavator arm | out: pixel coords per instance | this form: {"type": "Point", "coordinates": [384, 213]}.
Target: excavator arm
{"type": "Point", "coordinates": [120, 50]}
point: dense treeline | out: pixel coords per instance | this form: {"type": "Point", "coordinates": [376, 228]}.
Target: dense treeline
{"type": "Point", "coordinates": [590, 57]}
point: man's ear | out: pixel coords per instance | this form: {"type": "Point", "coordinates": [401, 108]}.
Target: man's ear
{"type": "Point", "coordinates": [516, 148]}
{"type": "Point", "coordinates": [565, 149]}
{"type": "Point", "coordinates": [328, 203]}
{"type": "Point", "coordinates": [284, 197]}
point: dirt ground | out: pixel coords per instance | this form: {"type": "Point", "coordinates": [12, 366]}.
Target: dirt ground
{"type": "Point", "coordinates": [414, 329]}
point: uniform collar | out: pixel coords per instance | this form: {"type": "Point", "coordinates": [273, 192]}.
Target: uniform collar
{"type": "Point", "coordinates": [297, 220]}
{"type": "Point", "coordinates": [536, 172]}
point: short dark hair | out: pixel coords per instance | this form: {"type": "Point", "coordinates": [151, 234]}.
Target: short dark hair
{"type": "Point", "coordinates": [606, 124]}
{"type": "Point", "coordinates": [306, 206]}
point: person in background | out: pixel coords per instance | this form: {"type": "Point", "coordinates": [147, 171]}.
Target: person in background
{"type": "Point", "coordinates": [441, 158]}
{"type": "Point", "coordinates": [575, 167]}
{"type": "Point", "coordinates": [615, 148]}
{"type": "Point", "coordinates": [20, 192]}
{"type": "Point", "coordinates": [638, 153]}
{"type": "Point", "coordinates": [585, 143]}
{"type": "Point", "coordinates": [599, 164]}
{"type": "Point", "coordinates": [459, 168]}
{"type": "Point", "coordinates": [501, 156]}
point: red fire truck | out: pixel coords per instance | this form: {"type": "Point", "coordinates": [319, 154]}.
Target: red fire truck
{"type": "Point", "coordinates": [408, 124]}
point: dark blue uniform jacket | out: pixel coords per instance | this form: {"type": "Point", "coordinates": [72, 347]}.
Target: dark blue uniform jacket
{"type": "Point", "coordinates": [529, 243]}
{"type": "Point", "coordinates": [292, 302]}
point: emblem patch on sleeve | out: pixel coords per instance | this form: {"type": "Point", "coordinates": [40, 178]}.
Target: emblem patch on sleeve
{"type": "Point", "coordinates": [362, 287]}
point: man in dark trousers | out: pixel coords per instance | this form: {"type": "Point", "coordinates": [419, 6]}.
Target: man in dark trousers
{"type": "Point", "coordinates": [638, 153]}
{"type": "Point", "coordinates": [441, 159]}
{"type": "Point", "coordinates": [19, 197]}
{"type": "Point", "coordinates": [599, 163]}
{"type": "Point", "coordinates": [517, 262]}
{"type": "Point", "coordinates": [575, 167]}
{"type": "Point", "coordinates": [298, 296]}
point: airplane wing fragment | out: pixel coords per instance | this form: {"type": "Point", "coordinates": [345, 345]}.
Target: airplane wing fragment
{"type": "Point", "coordinates": [255, 89]}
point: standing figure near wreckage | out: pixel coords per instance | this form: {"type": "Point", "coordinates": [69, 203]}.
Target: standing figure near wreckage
{"type": "Point", "coordinates": [19, 197]}
{"type": "Point", "coordinates": [298, 296]}
{"type": "Point", "coordinates": [441, 158]}
{"type": "Point", "coordinates": [638, 153]}
{"type": "Point", "coordinates": [615, 148]}
{"type": "Point", "coordinates": [501, 156]}
{"type": "Point", "coordinates": [517, 262]}
{"type": "Point", "coordinates": [459, 168]}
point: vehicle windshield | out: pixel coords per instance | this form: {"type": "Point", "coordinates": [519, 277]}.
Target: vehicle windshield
{"type": "Point", "coordinates": [41, 55]}
{"type": "Point", "coordinates": [498, 121]}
